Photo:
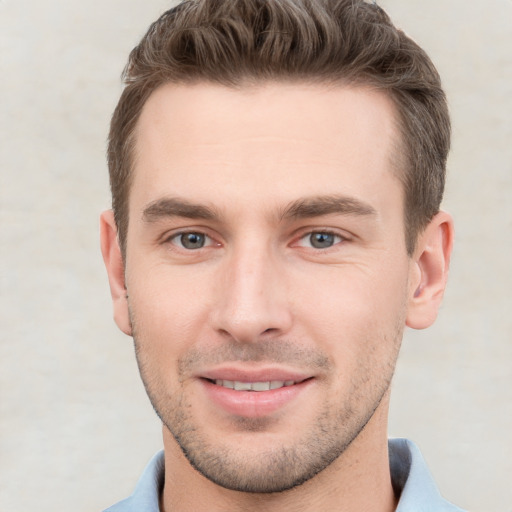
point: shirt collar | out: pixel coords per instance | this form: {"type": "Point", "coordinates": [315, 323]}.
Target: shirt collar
{"type": "Point", "coordinates": [412, 480]}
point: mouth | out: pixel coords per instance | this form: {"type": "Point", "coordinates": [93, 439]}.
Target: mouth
{"type": "Point", "coordinates": [252, 396]}
{"type": "Point", "coordinates": [254, 386]}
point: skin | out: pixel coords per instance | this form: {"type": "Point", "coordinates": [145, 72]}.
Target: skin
{"type": "Point", "coordinates": [298, 266]}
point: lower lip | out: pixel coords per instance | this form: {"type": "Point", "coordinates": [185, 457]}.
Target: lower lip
{"type": "Point", "coordinates": [253, 404]}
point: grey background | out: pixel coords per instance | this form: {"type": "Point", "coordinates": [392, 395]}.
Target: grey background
{"type": "Point", "coordinates": [76, 428]}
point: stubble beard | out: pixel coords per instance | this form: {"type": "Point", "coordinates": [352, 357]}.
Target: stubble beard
{"type": "Point", "coordinates": [280, 468]}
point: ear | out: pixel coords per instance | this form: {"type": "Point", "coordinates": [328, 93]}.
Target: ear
{"type": "Point", "coordinates": [115, 270]}
{"type": "Point", "coordinates": [429, 271]}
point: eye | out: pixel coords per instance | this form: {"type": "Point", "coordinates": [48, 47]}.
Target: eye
{"type": "Point", "coordinates": [191, 240]}
{"type": "Point", "coordinates": [320, 240]}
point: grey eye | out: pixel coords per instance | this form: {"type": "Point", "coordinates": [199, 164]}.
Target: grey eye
{"type": "Point", "coordinates": [192, 240]}
{"type": "Point", "coordinates": [322, 240]}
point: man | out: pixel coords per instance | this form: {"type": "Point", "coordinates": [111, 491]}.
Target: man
{"type": "Point", "coordinates": [276, 169]}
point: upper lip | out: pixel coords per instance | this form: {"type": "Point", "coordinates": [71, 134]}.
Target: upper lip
{"type": "Point", "coordinates": [240, 374]}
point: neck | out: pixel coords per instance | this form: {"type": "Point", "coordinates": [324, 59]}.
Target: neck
{"type": "Point", "coordinates": [359, 480]}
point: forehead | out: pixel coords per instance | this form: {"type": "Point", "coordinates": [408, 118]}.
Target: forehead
{"type": "Point", "coordinates": [273, 139]}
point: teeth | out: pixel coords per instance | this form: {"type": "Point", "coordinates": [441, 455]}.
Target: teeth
{"type": "Point", "coordinates": [260, 386]}
{"type": "Point", "coordinates": [254, 386]}
{"type": "Point", "coordinates": [242, 386]}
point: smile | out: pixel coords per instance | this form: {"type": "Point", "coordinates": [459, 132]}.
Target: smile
{"type": "Point", "coordinates": [254, 386]}
{"type": "Point", "coordinates": [254, 397]}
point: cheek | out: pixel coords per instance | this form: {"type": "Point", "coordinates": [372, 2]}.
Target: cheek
{"type": "Point", "coordinates": [167, 309]}
{"type": "Point", "coordinates": [356, 305]}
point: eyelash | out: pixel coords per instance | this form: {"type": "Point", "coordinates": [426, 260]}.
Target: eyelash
{"type": "Point", "coordinates": [177, 239]}
{"type": "Point", "coordinates": [323, 232]}
{"type": "Point", "coordinates": [177, 236]}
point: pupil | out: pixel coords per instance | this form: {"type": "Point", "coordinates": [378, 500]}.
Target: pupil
{"type": "Point", "coordinates": [321, 240]}
{"type": "Point", "coordinates": [192, 240]}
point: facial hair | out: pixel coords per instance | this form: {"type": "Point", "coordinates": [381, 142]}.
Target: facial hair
{"type": "Point", "coordinates": [285, 466]}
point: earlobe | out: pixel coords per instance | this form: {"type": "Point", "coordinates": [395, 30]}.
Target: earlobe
{"type": "Point", "coordinates": [115, 269]}
{"type": "Point", "coordinates": [430, 271]}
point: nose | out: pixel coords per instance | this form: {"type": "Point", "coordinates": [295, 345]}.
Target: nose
{"type": "Point", "coordinates": [252, 296]}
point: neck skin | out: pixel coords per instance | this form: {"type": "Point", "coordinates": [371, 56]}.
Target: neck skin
{"type": "Point", "coordinates": [359, 480]}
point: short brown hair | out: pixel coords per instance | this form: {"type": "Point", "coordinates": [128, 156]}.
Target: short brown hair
{"type": "Point", "coordinates": [236, 42]}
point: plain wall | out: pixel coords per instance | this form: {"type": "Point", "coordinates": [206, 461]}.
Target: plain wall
{"type": "Point", "coordinates": [76, 428]}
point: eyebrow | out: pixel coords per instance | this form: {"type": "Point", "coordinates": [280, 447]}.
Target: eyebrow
{"type": "Point", "coordinates": [315, 206]}
{"type": "Point", "coordinates": [173, 207]}
{"type": "Point", "coordinates": [327, 205]}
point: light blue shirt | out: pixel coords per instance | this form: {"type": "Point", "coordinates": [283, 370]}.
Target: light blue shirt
{"type": "Point", "coordinates": [410, 476]}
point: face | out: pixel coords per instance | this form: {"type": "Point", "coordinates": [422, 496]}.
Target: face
{"type": "Point", "coordinates": [266, 273]}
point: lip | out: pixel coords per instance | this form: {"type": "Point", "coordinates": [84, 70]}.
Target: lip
{"type": "Point", "coordinates": [253, 374]}
{"type": "Point", "coordinates": [253, 404]}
